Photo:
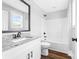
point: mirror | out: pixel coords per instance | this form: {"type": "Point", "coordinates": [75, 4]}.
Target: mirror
{"type": "Point", "coordinates": [15, 16]}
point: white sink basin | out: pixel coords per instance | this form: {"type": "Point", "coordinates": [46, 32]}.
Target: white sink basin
{"type": "Point", "coordinates": [20, 39]}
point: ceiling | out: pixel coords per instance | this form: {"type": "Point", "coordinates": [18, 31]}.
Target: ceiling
{"type": "Point", "coordinates": [52, 5]}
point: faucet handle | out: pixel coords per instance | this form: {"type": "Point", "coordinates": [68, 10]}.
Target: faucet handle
{"type": "Point", "coordinates": [14, 35]}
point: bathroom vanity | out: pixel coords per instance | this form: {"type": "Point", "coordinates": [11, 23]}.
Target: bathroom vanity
{"type": "Point", "coordinates": [26, 49]}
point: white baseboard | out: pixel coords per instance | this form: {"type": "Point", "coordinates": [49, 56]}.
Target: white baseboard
{"type": "Point", "coordinates": [60, 47]}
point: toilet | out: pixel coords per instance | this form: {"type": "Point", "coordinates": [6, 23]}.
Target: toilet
{"type": "Point", "coordinates": [44, 48]}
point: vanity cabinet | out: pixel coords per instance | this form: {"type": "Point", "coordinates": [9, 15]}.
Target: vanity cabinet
{"type": "Point", "coordinates": [30, 50]}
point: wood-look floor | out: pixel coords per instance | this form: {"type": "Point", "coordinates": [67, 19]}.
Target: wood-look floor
{"type": "Point", "coordinates": [56, 55]}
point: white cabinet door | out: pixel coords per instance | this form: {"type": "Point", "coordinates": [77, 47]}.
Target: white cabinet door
{"type": "Point", "coordinates": [37, 51]}
{"type": "Point", "coordinates": [34, 49]}
{"type": "Point", "coordinates": [19, 52]}
{"type": "Point", "coordinates": [22, 55]}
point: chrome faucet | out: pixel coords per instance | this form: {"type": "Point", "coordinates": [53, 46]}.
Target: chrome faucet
{"type": "Point", "coordinates": [19, 34]}
{"type": "Point", "coordinates": [16, 35]}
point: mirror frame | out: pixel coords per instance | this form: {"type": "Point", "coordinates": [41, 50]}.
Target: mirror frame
{"type": "Point", "coordinates": [28, 20]}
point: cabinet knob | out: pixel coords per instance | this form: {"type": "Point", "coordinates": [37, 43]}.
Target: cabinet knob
{"type": "Point", "coordinates": [31, 54]}
{"type": "Point", "coordinates": [28, 56]}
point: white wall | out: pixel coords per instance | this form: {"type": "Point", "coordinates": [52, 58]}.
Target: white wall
{"type": "Point", "coordinates": [58, 31]}
{"type": "Point", "coordinates": [36, 15]}
{"type": "Point", "coordinates": [36, 19]}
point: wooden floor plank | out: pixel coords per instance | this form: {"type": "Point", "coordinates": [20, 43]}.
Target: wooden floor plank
{"type": "Point", "coordinates": [56, 55]}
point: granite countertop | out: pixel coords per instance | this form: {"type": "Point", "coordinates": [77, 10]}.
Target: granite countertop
{"type": "Point", "coordinates": [8, 44]}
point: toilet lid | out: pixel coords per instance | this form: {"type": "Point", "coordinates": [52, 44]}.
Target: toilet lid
{"type": "Point", "coordinates": [45, 43]}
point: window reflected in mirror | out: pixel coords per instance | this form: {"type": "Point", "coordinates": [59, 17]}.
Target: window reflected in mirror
{"type": "Point", "coordinates": [15, 19]}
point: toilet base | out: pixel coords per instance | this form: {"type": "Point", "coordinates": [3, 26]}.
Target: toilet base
{"type": "Point", "coordinates": [44, 51]}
